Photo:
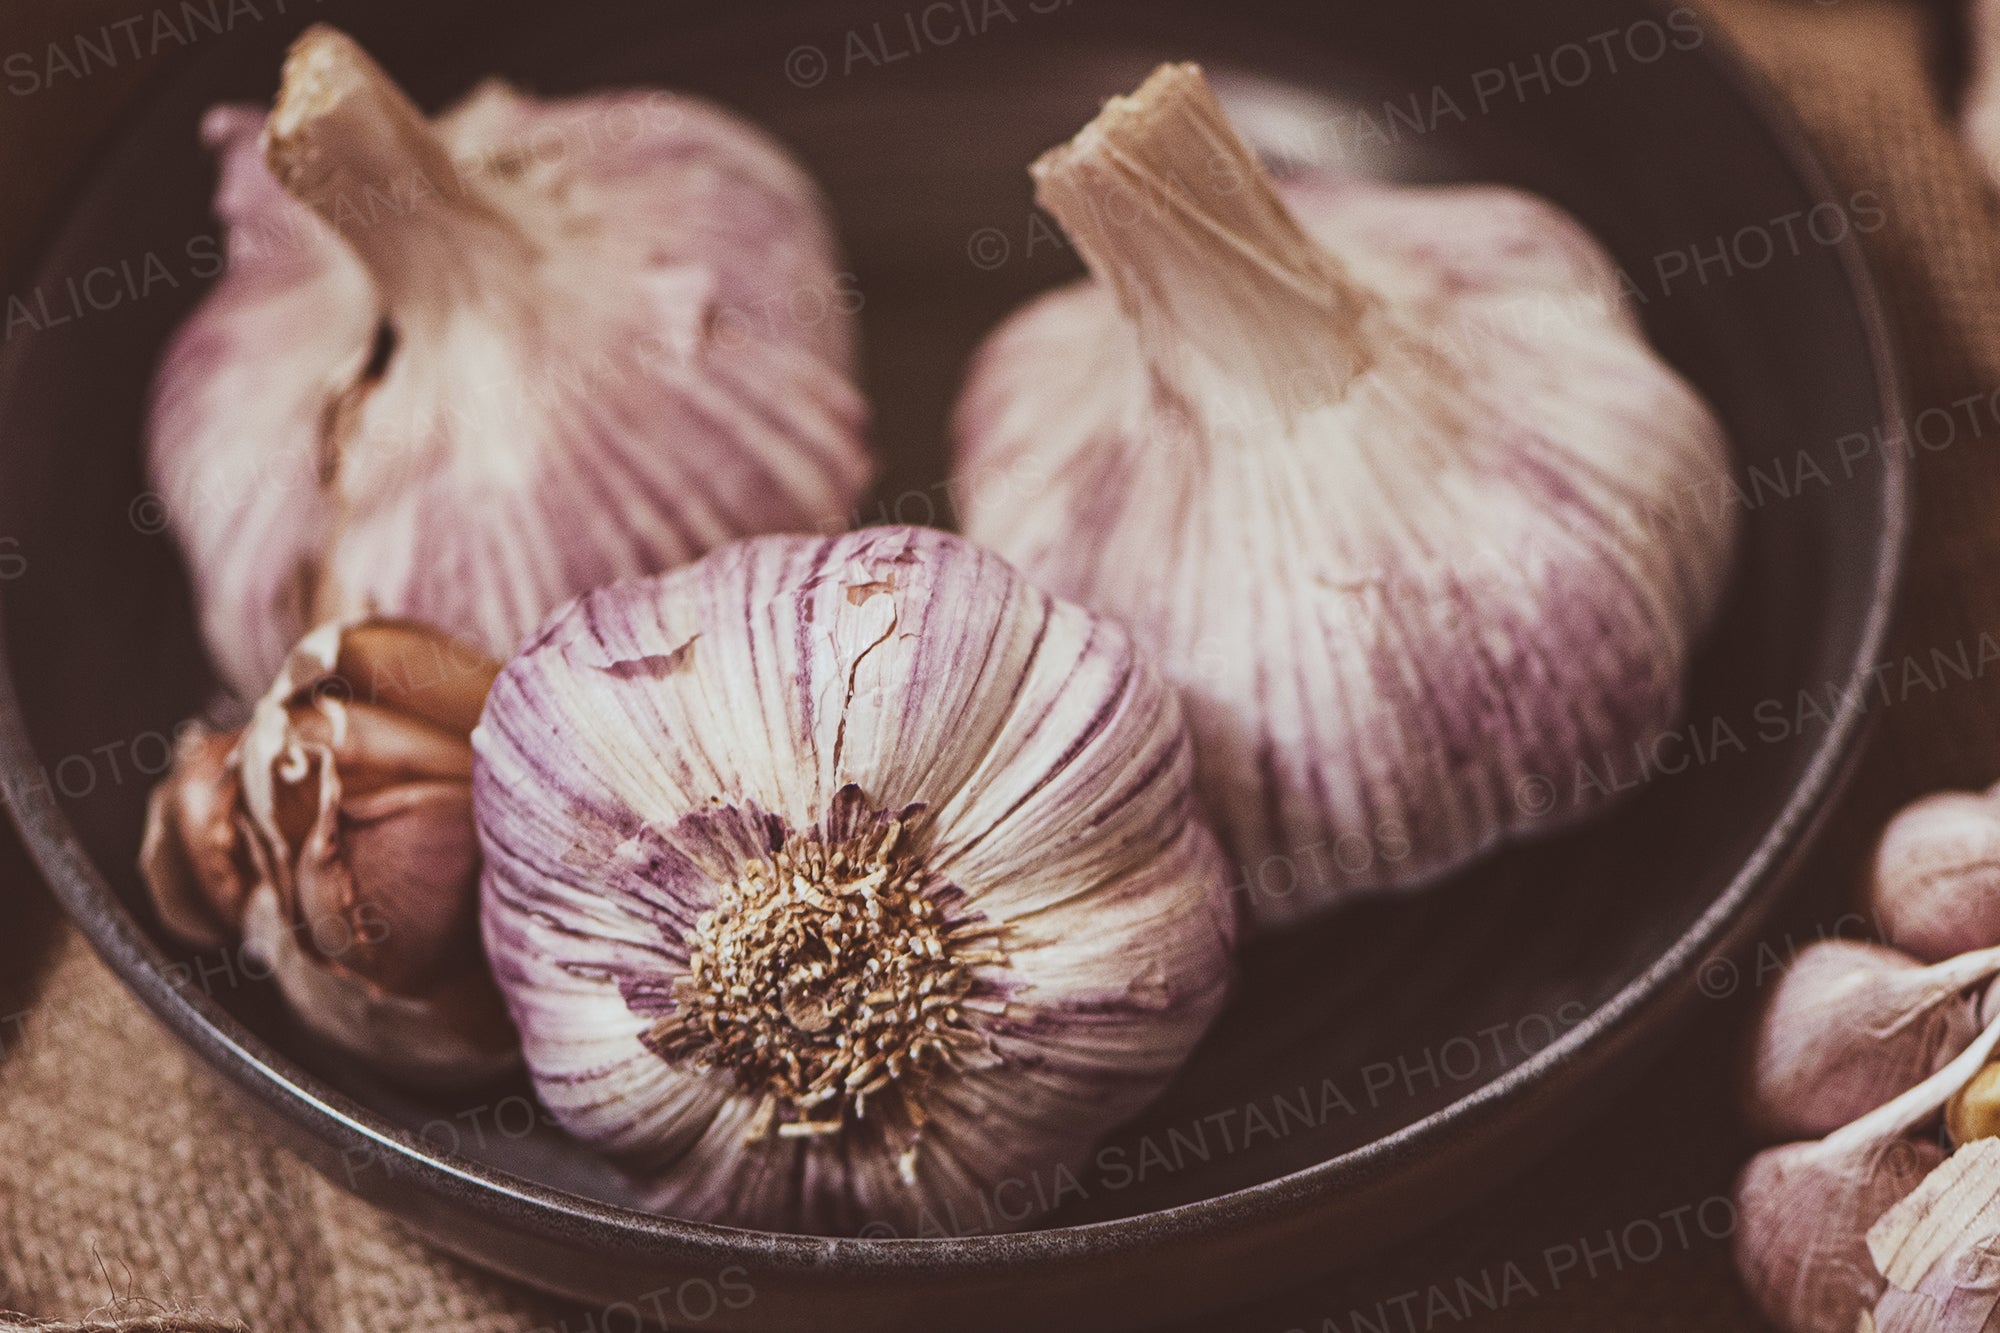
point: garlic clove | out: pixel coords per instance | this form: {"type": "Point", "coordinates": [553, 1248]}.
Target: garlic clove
{"type": "Point", "coordinates": [393, 878]}
{"type": "Point", "coordinates": [1802, 1222]}
{"type": "Point", "coordinates": [1939, 1249]}
{"type": "Point", "coordinates": [340, 835]}
{"type": "Point", "coordinates": [451, 1034]}
{"type": "Point", "coordinates": [190, 855]}
{"type": "Point", "coordinates": [1934, 885]}
{"type": "Point", "coordinates": [413, 671]}
{"type": "Point", "coordinates": [1804, 1209]}
{"type": "Point", "coordinates": [373, 746]}
{"type": "Point", "coordinates": [462, 369]}
{"type": "Point", "coordinates": [1386, 478]}
{"type": "Point", "coordinates": [885, 756]}
{"type": "Point", "coordinates": [1849, 1026]}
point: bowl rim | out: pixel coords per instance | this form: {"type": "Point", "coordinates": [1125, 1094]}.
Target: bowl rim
{"type": "Point", "coordinates": [303, 1099]}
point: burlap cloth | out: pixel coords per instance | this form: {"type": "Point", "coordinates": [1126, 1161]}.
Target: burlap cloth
{"type": "Point", "coordinates": [132, 1190]}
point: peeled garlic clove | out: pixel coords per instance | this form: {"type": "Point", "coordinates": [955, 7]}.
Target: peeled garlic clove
{"type": "Point", "coordinates": [338, 832]}
{"type": "Point", "coordinates": [461, 370]}
{"type": "Point", "coordinates": [1934, 887]}
{"type": "Point", "coordinates": [1804, 1209]}
{"type": "Point", "coordinates": [1939, 1249]}
{"type": "Point", "coordinates": [1975, 1112]}
{"type": "Point", "coordinates": [1387, 478]}
{"type": "Point", "coordinates": [1849, 1026]}
{"type": "Point", "coordinates": [843, 881]}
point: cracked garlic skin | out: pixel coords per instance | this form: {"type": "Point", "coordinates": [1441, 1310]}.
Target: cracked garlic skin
{"type": "Point", "coordinates": [462, 370]}
{"type": "Point", "coordinates": [1387, 479]}
{"type": "Point", "coordinates": [1939, 1250]}
{"type": "Point", "coordinates": [844, 881]}
{"type": "Point", "coordinates": [333, 837]}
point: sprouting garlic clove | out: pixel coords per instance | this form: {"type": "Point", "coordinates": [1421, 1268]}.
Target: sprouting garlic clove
{"type": "Point", "coordinates": [1850, 1025]}
{"type": "Point", "coordinates": [463, 369]}
{"type": "Point", "coordinates": [844, 881]}
{"type": "Point", "coordinates": [340, 847]}
{"type": "Point", "coordinates": [1939, 1249]}
{"type": "Point", "coordinates": [1387, 478]}
{"type": "Point", "coordinates": [1803, 1210]}
{"type": "Point", "coordinates": [1934, 884]}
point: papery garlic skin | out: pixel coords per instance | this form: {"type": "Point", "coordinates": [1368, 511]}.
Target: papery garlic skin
{"type": "Point", "coordinates": [1803, 1210]}
{"type": "Point", "coordinates": [1934, 885]}
{"type": "Point", "coordinates": [670, 755]}
{"type": "Point", "coordinates": [1801, 1241]}
{"type": "Point", "coordinates": [462, 370]}
{"type": "Point", "coordinates": [1386, 478]}
{"type": "Point", "coordinates": [1849, 1026]}
{"type": "Point", "coordinates": [1939, 1249]}
{"type": "Point", "coordinates": [333, 837]}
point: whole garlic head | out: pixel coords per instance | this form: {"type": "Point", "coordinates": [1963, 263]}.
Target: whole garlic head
{"type": "Point", "coordinates": [333, 838]}
{"type": "Point", "coordinates": [462, 370]}
{"type": "Point", "coordinates": [837, 881]}
{"type": "Point", "coordinates": [1387, 478]}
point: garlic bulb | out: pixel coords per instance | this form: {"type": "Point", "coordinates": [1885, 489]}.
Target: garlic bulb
{"type": "Point", "coordinates": [1939, 1249]}
{"type": "Point", "coordinates": [461, 370]}
{"type": "Point", "coordinates": [847, 880]}
{"type": "Point", "coordinates": [1804, 1209]}
{"type": "Point", "coordinates": [1387, 478]}
{"type": "Point", "coordinates": [1849, 1026]}
{"type": "Point", "coordinates": [333, 835]}
{"type": "Point", "coordinates": [1934, 888]}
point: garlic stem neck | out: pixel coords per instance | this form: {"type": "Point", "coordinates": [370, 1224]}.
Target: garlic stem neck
{"type": "Point", "coordinates": [1168, 206]}
{"type": "Point", "coordinates": [344, 140]}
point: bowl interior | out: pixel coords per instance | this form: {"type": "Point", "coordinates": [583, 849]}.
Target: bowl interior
{"type": "Point", "coordinates": [919, 122]}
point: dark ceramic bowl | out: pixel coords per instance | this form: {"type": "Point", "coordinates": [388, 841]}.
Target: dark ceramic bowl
{"type": "Point", "coordinates": [1374, 1071]}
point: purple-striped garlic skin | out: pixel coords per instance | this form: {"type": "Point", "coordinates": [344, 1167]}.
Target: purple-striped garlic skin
{"type": "Point", "coordinates": [1386, 479]}
{"type": "Point", "coordinates": [838, 881]}
{"type": "Point", "coordinates": [461, 370]}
